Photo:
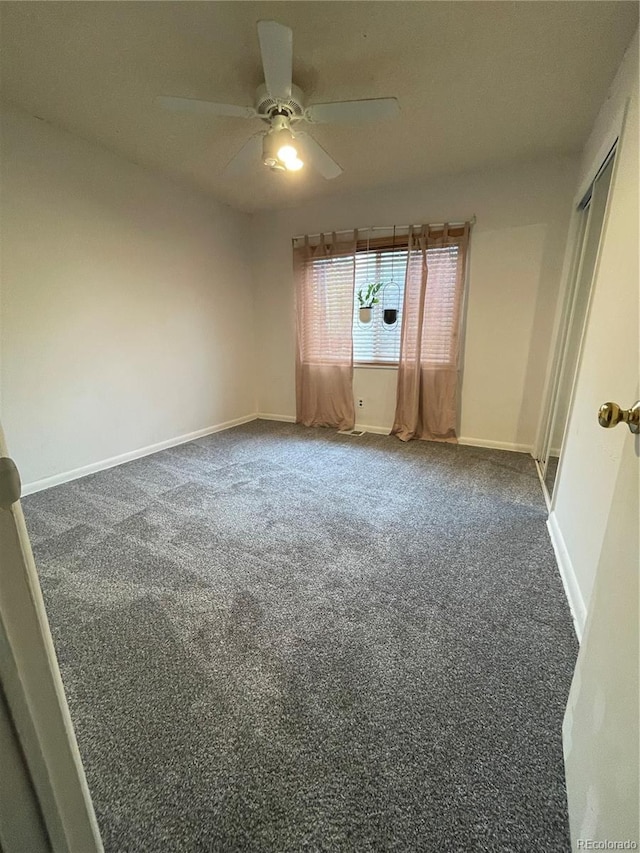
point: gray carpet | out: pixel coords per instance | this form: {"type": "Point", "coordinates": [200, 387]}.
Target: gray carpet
{"type": "Point", "coordinates": [283, 639]}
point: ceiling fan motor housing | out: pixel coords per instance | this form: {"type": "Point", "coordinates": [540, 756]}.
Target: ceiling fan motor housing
{"type": "Point", "coordinates": [268, 106]}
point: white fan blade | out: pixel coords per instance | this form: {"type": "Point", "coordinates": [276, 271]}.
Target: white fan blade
{"type": "Point", "coordinates": [191, 105]}
{"type": "Point", "coordinates": [248, 156]}
{"type": "Point", "coordinates": [276, 47]}
{"type": "Point", "coordinates": [352, 112]}
{"type": "Point", "coordinates": [314, 153]}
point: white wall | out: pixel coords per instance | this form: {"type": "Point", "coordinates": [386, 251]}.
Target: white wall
{"type": "Point", "coordinates": [608, 368]}
{"type": "Point", "coordinates": [126, 304]}
{"type": "Point", "coordinates": [516, 257]}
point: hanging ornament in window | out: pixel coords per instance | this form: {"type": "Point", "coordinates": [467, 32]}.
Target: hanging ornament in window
{"type": "Point", "coordinates": [368, 296]}
{"type": "Point", "coordinates": [390, 306]}
{"type": "Point", "coordinates": [391, 295]}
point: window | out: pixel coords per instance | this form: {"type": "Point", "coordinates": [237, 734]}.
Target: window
{"type": "Point", "coordinates": [334, 275]}
{"type": "Point", "coordinates": [376, 343]}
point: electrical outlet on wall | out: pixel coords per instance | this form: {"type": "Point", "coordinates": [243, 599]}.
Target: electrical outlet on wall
{"type": "Point", "coordinates": [360, 403]}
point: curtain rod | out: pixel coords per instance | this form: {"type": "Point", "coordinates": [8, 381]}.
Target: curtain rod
{"type": "Point", "coordinates": [471, 221]}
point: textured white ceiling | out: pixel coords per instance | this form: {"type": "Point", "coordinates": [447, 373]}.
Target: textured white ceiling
{"type": "Point", "coordinates": [479, 83]}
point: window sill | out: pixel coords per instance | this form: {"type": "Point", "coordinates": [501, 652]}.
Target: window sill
{"type": "Point", "coordinates": [376, 365]}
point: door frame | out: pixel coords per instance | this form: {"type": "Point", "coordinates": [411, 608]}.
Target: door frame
{"type": "Point", "coordinates": [32, 686]}
{"type": "Point", "coordinates": [21, 822]}
{"type": "Point", "coordinates": [570, 268]}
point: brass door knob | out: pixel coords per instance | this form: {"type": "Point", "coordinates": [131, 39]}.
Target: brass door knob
{"type": "Point", "coordinates": [10, 486]}
{"type": "Point", "coordinates": [610, 414]}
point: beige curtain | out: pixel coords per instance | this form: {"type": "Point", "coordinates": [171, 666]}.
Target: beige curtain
{"type": "Point", "coordinates": [325, 277]}
{"type": "Point", "coordinates": [428, 370]}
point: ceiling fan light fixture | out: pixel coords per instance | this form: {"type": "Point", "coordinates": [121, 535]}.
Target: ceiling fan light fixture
{"type": "Point", "coordinates": [287, 152]}
{"type": "Point", "coordinates": [279, 152]}
{"type": "Point", "coordinates": [269, 150]}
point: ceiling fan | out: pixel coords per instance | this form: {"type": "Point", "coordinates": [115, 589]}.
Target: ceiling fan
{"type": "Point", "coordinates": [281, 105]}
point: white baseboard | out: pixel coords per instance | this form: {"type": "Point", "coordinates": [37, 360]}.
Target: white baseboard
{"type": "Point", "coordinates": [76, 473]}
{"type": "Point", "coordinates": [473, 442]}
{"type": "Point", "coordinates": [568, 575]}
{"type": "Point", "coordinates": [290, 419]}
{"type": "Point", "coordinates": [267, 416]}
{"type": "Point", "coordinates": [374, 429]}
{"type": "Point", "coordinates": [379, 430]}
{"type": "Point", "coordinates": [495, 445]}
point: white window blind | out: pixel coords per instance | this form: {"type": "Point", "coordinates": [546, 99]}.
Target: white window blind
{"type": "Point", "coordinates": [375, 343]}
{"type": "Point", "coordinates": [327, 309]}
{"type": "Point", "coordinates": [438, 338]}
